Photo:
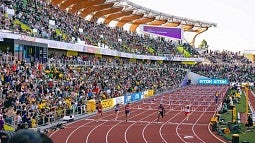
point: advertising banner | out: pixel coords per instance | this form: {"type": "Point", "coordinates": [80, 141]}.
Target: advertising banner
{"type": "Point", "coordinates": [132, 97]}
{"type": "Point", "coordinates": [136, 96]}
{"type": "Point", "coordinates": [108, 103]}
{"type": "Point", "coordinates": [146, 94]}
{"type": "Point", "coordinates": [150, 93]}
{"type": "Point", "coordinates": [213, 81]}
{"type": "Point", "coordinates": [91, 105]}
{"type": "Point", "coordinates": [119, 100]}
{"type": "Point", "coordinates": [234, 115]}
{"type": "Point", "coordinates": [127, 98]}
{"type": "Point", "coordinates": [169, 32]}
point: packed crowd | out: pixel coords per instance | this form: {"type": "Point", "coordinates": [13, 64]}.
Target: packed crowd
{"type": "Point", "coordinates": [37, 13]}
{"type": "Point", "coordinates": [226, 65]}
{"type": "Point", "coordinates": [234, 73]}
{"type": "Point", "coordinates": [31, 93]}
{"type": "Point", "coordinates": [226, 57]}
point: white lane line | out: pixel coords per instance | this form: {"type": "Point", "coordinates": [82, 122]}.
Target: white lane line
{"type": "Point", "coordinates": [156, 122]}
{"type": "Point", "coordinates": [134, 124]}
{"type": "Point", "coordinates": [196, 123]}
{"type": "Point", "coordinates": [79, 121]}
{"type": "Point", "coordinates": [121, 121]}
{"type": "Point", "coordinates": [92, 120]}
{"type": "Point", "coordinates": [68, 137]}
{"type": "Point", "coordinates": [176, 129]}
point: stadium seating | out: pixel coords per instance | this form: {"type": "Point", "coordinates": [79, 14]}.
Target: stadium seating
{"type": "Point", "coordinates": [37, 94]}
{"type": "Point", "coordinates": [32, 18]}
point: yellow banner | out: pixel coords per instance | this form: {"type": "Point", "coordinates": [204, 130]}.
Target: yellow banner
{"type": "Point", "coordinates": [98, 55]}
{"type": "Point", "coordinates": [234, 115]}
{"type": "Point", "coordinates": [108, 103]}
{"type": "Point", "coordinates": [132, 60]}
{"type": "Point", "coordinates": [150, 92]}
{"type": "Point", "coordinates": [189, 63]}
{"type": "Point", "coordinates": [146, 94]}
{"type": "Point", "coordinates": [160, 61]}
{"type": "Point", "coordinates": [91, 106]}
{"type": "Point", "coordinates": [72, 53]}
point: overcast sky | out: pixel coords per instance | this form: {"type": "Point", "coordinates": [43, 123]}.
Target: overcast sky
{"type": "Point", "coordinates": [235, 20]}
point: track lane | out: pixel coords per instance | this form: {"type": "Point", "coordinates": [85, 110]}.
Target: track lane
{"type": "Point", "coordinates": [113, 130]}
{"type": "Point", "coordinates": [151, 132]}
{"type": "Point", "coordinates": [99, 132]}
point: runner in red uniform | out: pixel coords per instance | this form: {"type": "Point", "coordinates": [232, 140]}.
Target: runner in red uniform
{"type": "Point", "coordinates": [127, 111]}
{"type": "Point", "coordinates": [187, 111]}
{"type": "Point", "coordinates": [99, 110]}
{"type": "Point", "coordinates": [161, 111]}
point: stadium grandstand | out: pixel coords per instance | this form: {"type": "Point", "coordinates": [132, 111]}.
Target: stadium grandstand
{"type": "Point", "coordinates": [61, 58]}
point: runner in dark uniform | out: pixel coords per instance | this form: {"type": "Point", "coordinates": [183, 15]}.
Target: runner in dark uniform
{"type": "Point", "coordinates": [161, 111]}
{"type": "Point", "coordinates": [127, 111]}
{"type": "Point", "coordinates": [99, 110]}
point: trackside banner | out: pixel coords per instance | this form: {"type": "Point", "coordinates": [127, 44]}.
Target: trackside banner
{"type": "Point", "coordinates": [91, 105]}
{"type": "Point", "coordinates": [119, 100]}
{"type": "Point", "coordinates": [132, 97]}
{"type": "Point", "coordinates": [108, 103]}
{"type": "Point", "coordinates": [213, 81]}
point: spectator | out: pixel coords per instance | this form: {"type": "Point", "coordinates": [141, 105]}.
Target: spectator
{"type": "Point", "coordinates": [1, 122]}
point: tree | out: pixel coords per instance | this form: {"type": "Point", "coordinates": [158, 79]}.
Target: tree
{"type": "Point", "coordinates": [203, 45]}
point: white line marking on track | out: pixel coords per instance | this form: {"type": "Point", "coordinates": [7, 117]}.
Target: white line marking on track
{"type": "Point", "coordinates": [87, 139]}
{"type": "Point", "coordinates": [134, 124]}
{"type": "Point", "coordinates": [177, 128]}
{"type": "Point", "coordinates": [76, 122]}
{"type": "Point", "coordinates": [196, 123]}
{"type": "Point", "coordinates": [107, 134]}
{"type": "Point", "coordinates": [68, 137]}
{"type": "Point", "coordinates": [92, 120]}
{"type": "Point", "coordinates": [153, 122]}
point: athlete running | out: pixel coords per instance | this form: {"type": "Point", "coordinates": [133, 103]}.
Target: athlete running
{"type": "Point", "coordinates": [161, 111]}
{"type": "Point", "coordinates": [127, 111]}
{"type": "Point", "coordinates": [117, 109]}
{"type": "Point", "coordinates": [99, 110]}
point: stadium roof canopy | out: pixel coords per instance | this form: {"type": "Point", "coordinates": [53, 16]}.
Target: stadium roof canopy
{"type": "Point", "coordinates": [124, 11]}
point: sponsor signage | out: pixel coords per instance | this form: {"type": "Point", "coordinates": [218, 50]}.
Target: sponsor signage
{"type": "Point", "coordinates": [213, 81]}
{"type": "Point", "coordinates": [133, 97]}
{"type": "Point", "coordinates": [168, 32]}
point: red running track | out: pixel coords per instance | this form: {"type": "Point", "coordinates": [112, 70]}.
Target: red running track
{"type": "Point", "coordinates": [251, 97]}
{"type": "Point", "coordinates": [142, 126]}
